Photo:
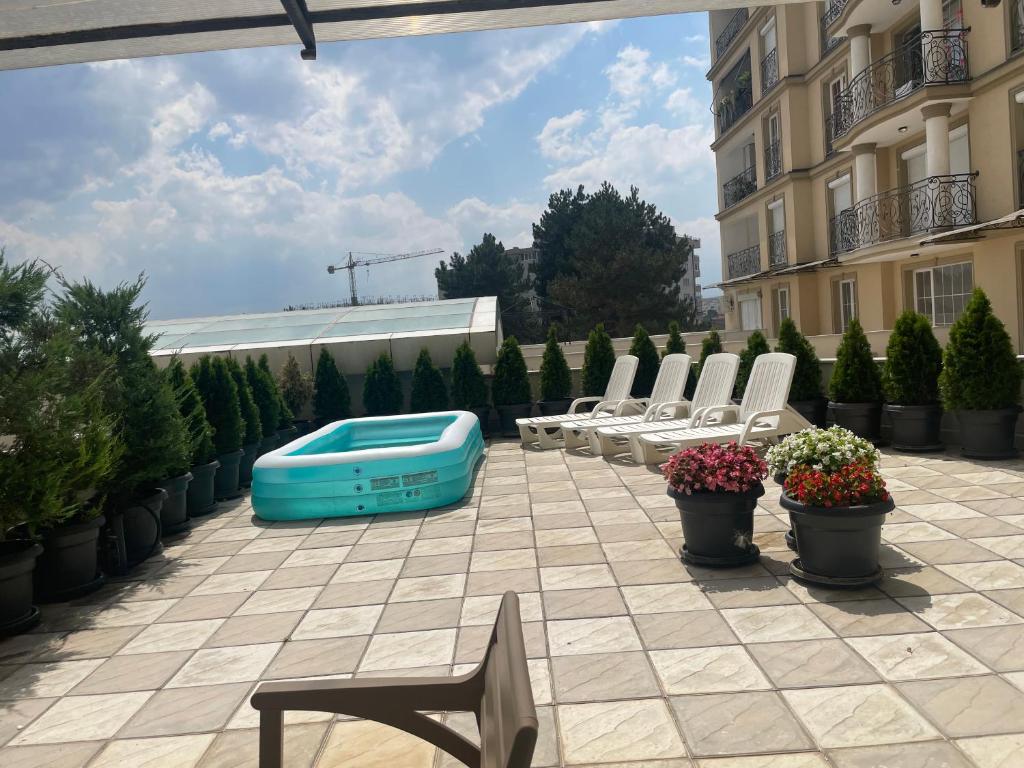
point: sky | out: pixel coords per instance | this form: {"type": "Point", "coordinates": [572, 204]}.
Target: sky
{"type": "Point", "coordinates": [232, 179]}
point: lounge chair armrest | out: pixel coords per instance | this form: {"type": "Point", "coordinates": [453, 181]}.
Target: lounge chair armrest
{"type": "Point", "coordinates": [605, 406]}
{"type": "Point", "coordinates": [631, 405]}
{"type": "Point", "coordinates": [361, 696]}
{"type": "Point", "coordinates": [727, 414]}
{"type": "Point", "coordinates": [579, 401]}
{"type": "Point", "coordinates": [754, 418]}
{"type": "Point", "coordinates": [674, 409]}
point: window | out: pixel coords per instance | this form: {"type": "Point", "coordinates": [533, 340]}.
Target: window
{"type": "Point", "coordinates": [781, 306]}
{"type": "Point", "coordinates": [847, 303]}
{"type": "Point", "coordinates": [940, 293]}
{"type": "Point", "coordinates": [750, 313]}
{"type": "Point", "coordinates": [952, 14]}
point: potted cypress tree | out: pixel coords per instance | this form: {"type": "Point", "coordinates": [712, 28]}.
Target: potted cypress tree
{"type": "Point", "coordinates": [675, 345]}
{"type": "Point", "coordinates": [297, 390]}
{"type": "Point", "coordinates": [757, 345]}
{"type": "Point", "coordinates": [647, 362]}
{"type": "Point", "coordinates": [555, 378]}
{"type": "Point", "coordinates": [980, 381]}
{"type": "Point", "coordinates": [855, 389]}
{"type": "Point", "coordinates": [428, 390]}
{"type": "Point", "coordinates": [709, 345]}
{"type": "Point", "coordinates": [286, 430]}
{"type": "Point", "coordinates": [598, 361]}
{"type": "Point", "coordinates": [199, 498]}
{"type": "Point", "coordinates": [331, 400]}
{"type": "Point", "coordinates": [716, 488]}
{"type": "Point", "coordinates": [267, 406]}
{"type": "Point", "coordinates": [510, 389]}
{"type": "Point", "coordinates": [805, 393]}
{"type": "Point", "coordinates": [469, 390]}
{"type": "Point", "coordinates": [220, 398]}
{"type": "Point", "coordinates": [253, 432]}
{"type": "Point", "coordinates": [382, 389]}
{"type": "Point", "coordinates": [910, 378]}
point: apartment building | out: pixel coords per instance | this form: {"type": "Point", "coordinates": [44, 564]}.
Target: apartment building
{"type": "Point", "coordinates": [689, 283]}
{"type": "Point", "coordinates": [870, 157]}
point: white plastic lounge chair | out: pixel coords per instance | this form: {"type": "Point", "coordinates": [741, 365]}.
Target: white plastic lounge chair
{"type": "Point", "coordinates": [763, 414]}
{"type": "Point", "coordinates": [667, 400]}
{"type": "Point", "coordinates": [714, 387]}
{"type": "Point", "coordinates": [546, 430]}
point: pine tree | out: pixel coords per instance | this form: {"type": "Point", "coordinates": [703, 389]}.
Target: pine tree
{"type": "Point", "coordinates": [220, 398]}
{"type": "Point", "coordinates": [469, 390]}
{"type": "Point", "coordinates": [598, 361]}
{"type": "Point", "coordinates": [190, 404]}
{"type": "Point", "coordinates": [807, 376]}
{"type": "Point", "coordinates": [647, 366]}
{"type": "Point", "coordinates": [382, 389]}
{"type": "Point", "coordinates": [709, 345]}
{"type": "Point", "coordinates": [428, 390]}
{"type": "Point", "coordinates": [296, 387]}
{"type": "Point", "coordinates": [250, 413]}
{"type": "Point", "coordinates": [913, 362]}
{"type": "Point", "coordinates": [511, 385]}
{"type": "Point", "coordinates": [331, 400]}
{"type": "Point", "coordinates": [855, 378]}
{"type": "Point", "coordinates": [555, 376]}
{"type": "Point", "coordinates": [264, 397]}
{"type": "Point", "coordinates": [285, 414]}
{"type": "Point", "coordinates": [757, 345]}
{"type": "Point", "coordinates": [675, 345]}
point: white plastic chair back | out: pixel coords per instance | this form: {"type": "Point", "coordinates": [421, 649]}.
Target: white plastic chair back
{"type": "Point", "coordinates": [716, 382]}
{"type": "Point", "coordinates": [621, 380]}
{"type": "Point", "coordinates": [670, 386]}
{"type": "Point", "coordinates": [769, 383]}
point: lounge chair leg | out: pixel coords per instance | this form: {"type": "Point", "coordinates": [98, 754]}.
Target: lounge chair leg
{"type": "Point", "coordinates": [271, 738]}
{"type": "Point", "coordinates": [548, 441]}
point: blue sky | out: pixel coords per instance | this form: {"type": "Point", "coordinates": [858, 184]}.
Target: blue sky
{"type": "Point", "coordinates": [233, 178]}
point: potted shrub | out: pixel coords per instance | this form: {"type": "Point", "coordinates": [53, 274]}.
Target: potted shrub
{"type": "Point", "coordinates": [855, 389]}
{"type": "Point", "coordinates": [980, 381]}
{"type": "Point", "coordinates": [297, 390]}
{"type": "Point", "coordinates": [220, 398]}
{"type": "Point", "coordinates": [910, 378]}
{"type": "Point", "coordinates": [382, 390]}
{"type": "Point", "coordinates": [805, 393]}
{"type": "Point", "coordinates": [469, 390]}
{"type": "Point", "coordinates": [716, 488]}
{"type": "Point", "coordinates": [757, 345]}
{"type": "Point", "coordinates": [252, 434]}
{"type": "Point", "coordinates": [598, 361]}
{"type": "Point", "coordinates": [555, 378]}
{"type": "Point", "coordinates": [267, 406]}
{"type": "Point", "coordinates": [199, 499]}
{"type": "Point", "coordinates": [837, 519]}
{"type": "Point", "coordinates": [648, 361]}
{"type": "Point", "coordinates": [286, 430]}
{"type": "Point", "coordinates": [331, 401]}
{"type": "Point", "coordinates": [709, 345]}
{"type": "Point", "coordinates": [428, 390]}
{"type": "Point", "coordinates": [510, 389]}
{"type": "Point", "coordinates": [675, 345]}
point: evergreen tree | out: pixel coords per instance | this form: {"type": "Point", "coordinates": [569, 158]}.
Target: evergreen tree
{"type": "Point", "coordinates": [220, 398]}
{"type": "Point", "coordinates": [598, 361]}
{"type": "Point", "coordinates": [675, 345]}
{"type": "Point", "coordinates": [296, 387]}
{"type": "Point", "coordinates": [709, 345]}
{"type": "Point", "coordinates": [980, 371]}
{"type": "Point", "coordinates": [285, 414]}
{"type": "Point", "coordinates": [511, 385]}
{"type": "Point", "coordinates": [855, 378]}
{"type": "Point", "coordinates": [913, 362]}
{"type": "Point", "coordinates": [469, 390]}
{"type": "Point", "coordinates": [253, 430]}
{"type": "Point", "coordinates": [265, 398]}
{"type": "Point", "coordinates": [555, 376]}
{"type": "Point", "coordinates": [807, 376]}
{"type": "Point", "coordinates": [382, 390]}
{"type": "Point", "coordinates": [428, 390]}
{"type": "Point", "coordinates": [331, 401]}
{"type": "Point", "coordinates": [190, 404]}
{"type": "Point", "coordinates": [647, 368]}
{"type": "Point", "coordinates": [757, 345]}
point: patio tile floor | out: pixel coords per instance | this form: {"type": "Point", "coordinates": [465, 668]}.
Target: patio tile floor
{"type": "Point", "coordinates": [637, 661]}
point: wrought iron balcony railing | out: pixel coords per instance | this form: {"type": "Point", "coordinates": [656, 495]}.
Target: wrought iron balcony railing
{"type": "Point", "coordinates": [777, 250]}
{"type": "Point", "coordinates": [937, 202]}
{"type": "Point", "coordinates": [745, 262]}
{"type": "Point", "coordinates": [772, 160]}
{"type": "Point", "coordinates": [936, 57]}
{"type": "Point", "coordinates": [740, 186]}
{"type": "Point", "coordinates": [1016, 27]}
{"type": "Point", "coordinates": [732, 107]}
{"type": "Point", "coordinates": [830, 121]}
{"type": "Point", "coordinates": [832, 12]}
{"type": "Point", "coordinates": [769, 71]}
{"type": "Point", "coordinates": [727, 35]}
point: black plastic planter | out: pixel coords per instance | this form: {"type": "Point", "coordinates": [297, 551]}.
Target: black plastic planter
{"type": "Point", "coordinates": [174, 512]}
{"type": "Point", "coordinates": [718, 528]}
{"type": "Point", "coordinates": [780, 478]}
{"type": "Point", "coordinates": [507, 415]}
{"type": "Point", "coordinates": [267, 444]}
{"type": "Point", "coordinates": [199, 499]}
{"type": "Point", "coordinates": [286, 435]}
{"type": "Point", "coordinates": [249, 454]}
{"type": "Point", "coordinates": [863, 419]}
{"type": "Point", "coordinates": [838, 546]}
{"type": "Point", "coordinates": [69, 565]}
{"type": "Point", "coordinates": [302, 427]}
{"type": "Point", "coordinates": [225, 482]}
{"type": "Point", "coordinates": [988, 434]}
{"type": "Point", "coordinates": [916, 427]}
{"type": "Point", "coordinates": [483, 413]}
{"type": "Point", "coordinates": [815, 411]}
{"type": "Point", "coordinates": [17, 561]}
{"type": "Point", "coordinates": [133, 532]}
{"type": "Point", "coordinates": [554, 407]}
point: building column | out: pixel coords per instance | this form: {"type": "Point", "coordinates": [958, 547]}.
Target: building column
{"type": "Point", "coordinates": [931, 20]}
{"type": "Point", "coordinates": [931, 15]}
{"type": "Point", "coordinates": [860, 48]}
{"type": "Point", "coordinates": [865, 172]}
{"type": "Point", "coordinates": [936, 136]}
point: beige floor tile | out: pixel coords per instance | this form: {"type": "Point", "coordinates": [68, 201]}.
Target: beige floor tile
{"type": "Point", "coordinates": [173, 636]}
{"type": "Point", "coordinates": [689, 629]}
{"type": "Point", "coordinates": [234, 664]}
{"type": "Point", "coordinates": [969, 706]}
{"type": "Point", "coordinates": [15, 715]}
{"type": "Point", "coordinates": [916, 656]}
{"type": "Point", "coordinates": [576, 577]}
{"type": "Point", "coordinates": [641, 729]}
{"type": "Point", "coordinates": [869, 617]}
{"type": "Point", "coordinates": [134, 614]}
{"type": "Point", "coordinates": [161, 752]}
{"type": "Point", "coordinates": [316, 658]}
{"type": "Point", "coordinates": [1007, 546]}
{"type": "Point", "coordinates": [1001, 648]}
{"type": "Point", "coordinates": [503, 560]}
{"type": "Point", "coordinates": [665, 598]}
{"type": "Point", "coordinates": [338, 622]}
{"type": "Point", "coordinates": [204, 607]}
{"type": "Point", "coordinates": [708, 670]}
{"type": "Point", "coordinates": [346, 594]}
{"type": "Point", "coordinates": [918, 582]}
{"type": "Point", "coordinates": [731, 723]}
{"type": "Point", "coordinates": [902, 533]}
{"type": "Point", "coordinates": [945, 510]}
{"type": "Point", "coordinates": [483, 610]}
{"type": "Point", "coordinates": [605, 635]}
{"type": "Point", "coordinates": [177, 711]}
{"type": "Point", "coordinates": [961, 611]}
{"type": "Point", "coordinates": [240, 748]}
{"type": "Point", "coordinates": [319, 556]}
{"type": "Point", "coordinates": [787, 760]}
{"type": "Point", "coordinates": [996, 574]}
{"type": "Point", "coordinates": [363, 744]}
{"type": "Point", "coordinates": [994, 751]}
{"type": "Point", "coordinates": [144, 672]}
{"type": "Point", "coordinates": [441, 546]}
{"type": "Point", "coordinates": [859, 715]}
{"type": "Point", "coordinates": [429, 588]}
{"type": "Point", "coordinates": [603, 677]}
{"type": "Point", "coordinates": [370, 570]}
{"type": "Point", "coordinates": [562, 537]}
{"type": "Point", "coordinates": [279, 600]}
{"type": "Point", "coordinates": [810, 663]}
{"type": "Point", "coordinates": [261, 561]}
{"type": "Point", "coordinates": [82, 718]}
{"type": "Point", "coordinates": [409, 649]}
{"type": "Point", "coordinates": [661, 571]}
{"type": "Point", "coordinates": [784, 622]}
{"type": "Point", "coordinates": [924, 754]}
{"type": "Point", "coordinates": [222, 583]}
{"type": "Point", "coordinates": [258, 628]}
{"type": "Point", "coordinates": [45, 680]}
{"type": "Point", "coordinates": [748, 593]}
{"type": "Point", "coordinates": [68, 755]}
{"type": "Point", "coordinates": [649, 549]}
{"type": "Point", "coordinates": [583, 603]}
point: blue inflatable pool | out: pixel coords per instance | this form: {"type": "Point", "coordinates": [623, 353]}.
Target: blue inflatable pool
{"type": "Point", "coordinates": [368, 466]}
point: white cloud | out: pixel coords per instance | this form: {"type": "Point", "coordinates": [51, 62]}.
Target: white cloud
{"type": "Point", "coordinates": [684, 104]}
{"type": "Point", "coordinates": [219, 131]}
{"type": "Point", "coordinates": [695, 39]}
{"type": "Point", "coordinates": [700, 62]}
{"type": "Point", "coordinates": [558, 139]}
{"type": "Point", "coordinates": [511, 223]}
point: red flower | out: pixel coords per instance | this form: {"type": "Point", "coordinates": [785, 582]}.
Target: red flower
{"type": "Point", "coordinates": [852, 485]}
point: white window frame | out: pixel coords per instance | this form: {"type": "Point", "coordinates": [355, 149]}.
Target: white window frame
{"type": "Point", "coordinates": [784, 312]}
{"type": "Point", "coordinates": [930, 271]}
{"type": "Point", "coordinates": [844, 320]}
{"type": "Point", "coordinates": [752, 298]}
{"type": "Point", "coordinates": [832, 93]}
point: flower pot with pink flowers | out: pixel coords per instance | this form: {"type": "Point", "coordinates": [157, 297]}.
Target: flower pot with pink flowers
{"type": "Point", "coordinates": [837, 519]}
{"type": "Point", "coordinates": [716, 488]}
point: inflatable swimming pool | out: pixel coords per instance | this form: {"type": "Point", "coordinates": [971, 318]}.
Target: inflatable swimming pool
{"type": "Point", "coordinates": [368, 466]}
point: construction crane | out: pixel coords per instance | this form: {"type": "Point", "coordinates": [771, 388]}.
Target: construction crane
{"type": "Point", "coordinates": [383, 258]}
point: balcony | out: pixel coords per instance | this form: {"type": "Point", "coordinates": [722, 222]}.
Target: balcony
{"type": "Point", "coordinates": [745, 262]}
{"type": "Point", "coordinates": [1016, 27]}
{"type": "Point", "coordinates": [777, 250]}
{"type": "Point", "coordinates": [727, 35]}
{"type": "Point", "coordinates": [772, 160]}
{"type": "Point", "coordinates": [833, 11]}
{"type": "Point", "coordinates": [935, 58]}
{"type": "Point", "coordinates": [742, 185]}
{"type": "Point", "coordinates": [938, 202]}
{"type": "Point", "coordinates": [769, 71]}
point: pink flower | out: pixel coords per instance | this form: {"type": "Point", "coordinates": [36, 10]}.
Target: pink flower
{"type": "Point", "coordinates": [729, 468]}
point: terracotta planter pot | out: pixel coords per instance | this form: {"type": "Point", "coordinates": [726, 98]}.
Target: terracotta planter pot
{"type": "Point", "coordinates": [199, 499]}
{"type": "Point", "coordinates": [988, 434]}
{"type": "Point", "coordinates": [69, 565]}
{"type": "Point", "coordinates": [863, 419]}
{"type": "Point", "coordinates": [916, 427]}
{"type": "Point", "coordinates": [17, 562]}
{"type": "Point", "coordinates": [718, 528]}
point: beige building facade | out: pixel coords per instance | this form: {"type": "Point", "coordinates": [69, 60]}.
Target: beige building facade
{"type": "Point", "coordinates": [870, 159]}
